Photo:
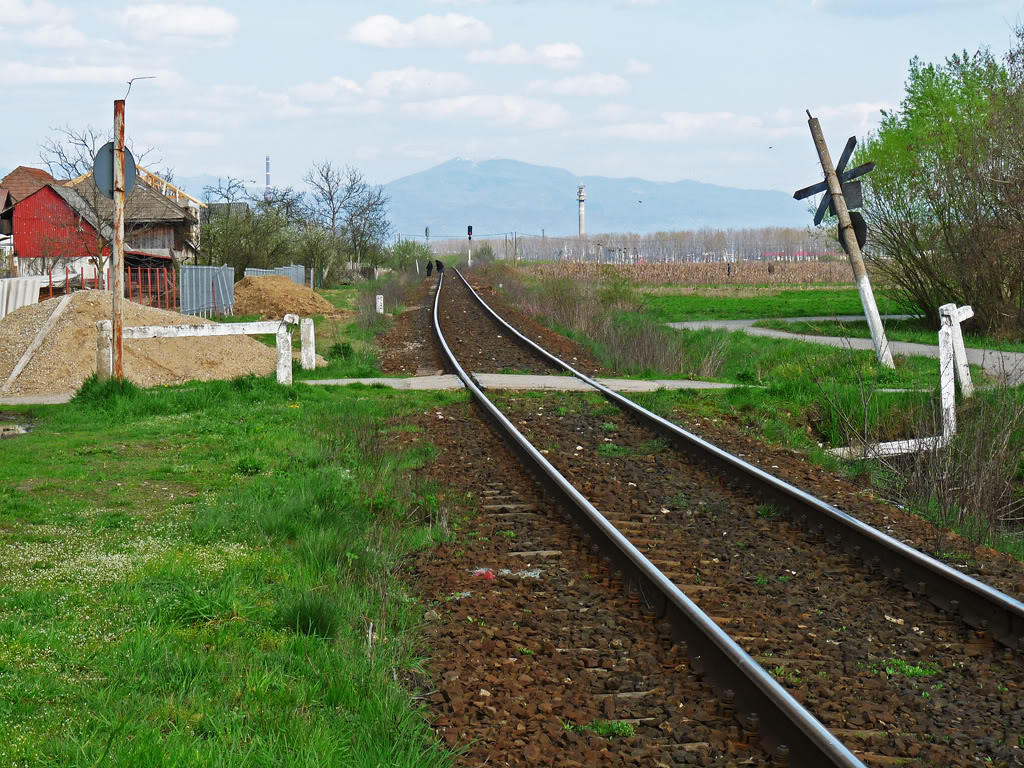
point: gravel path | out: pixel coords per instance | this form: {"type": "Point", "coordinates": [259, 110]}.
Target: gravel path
{"type": "Point", "coordinates": [1004, 366]}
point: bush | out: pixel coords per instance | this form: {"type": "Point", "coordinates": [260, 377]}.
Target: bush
{"type": "Point", "coordinates": [945, 204]}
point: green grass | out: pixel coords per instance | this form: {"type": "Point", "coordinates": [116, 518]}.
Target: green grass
{"type": "Point", "coordinates": [207, 576]}
{"type": "Point", "coordinates": [604, 728]}
{"type": "Point", "coordinates": [911, 330]}
{"type": "Point", "coordinates": [668, 308]}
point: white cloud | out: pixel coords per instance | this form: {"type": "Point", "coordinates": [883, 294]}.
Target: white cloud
{"type": "Point", "coordinates": [637, 67]}
{"type": "Point", "coordinates": [32, 12]}
{"type": "Point", "coordinates": [560, 55]}
{"type": "Point", "coordinates": [417, 80]}
{"type": "Point", "coordinates": [496, 109]}
{"type": "Point", "coordinates": [583, 84]}
{"type": "Point", "coordinates": [388, 32]}
{"type": "Point", "coordinates": [648, 2]}
{"type": "Point", "coordinates": [332, 89]}
{"type": "Point", "coordinates": [194, 24]}
{"type": "Point", "coordinates": [34, 74]}
{"type": "Point", "coordinates": [676, 126]}
{"type": "Point", "coordinates": [54, 36]}
{"type": "Point", "coordinates": [513, 53]}
{"type": "Point", "coordinates": [233, 99]}
{"type": "Point", "coordinates": [553, 55]}
{"type": "Point", "coordinates": [614, 112]}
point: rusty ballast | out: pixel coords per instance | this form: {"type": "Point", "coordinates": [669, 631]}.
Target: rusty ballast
{"type": "Point", "coordinates": [713, 654]}
{"type": "Point", "coordinates": [978, 604]}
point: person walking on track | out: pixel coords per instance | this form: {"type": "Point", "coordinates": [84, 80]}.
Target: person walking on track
{"type": "Point", "coordinates": [440, 267]}
{"type": "Point", "coordinates": [430, 266]}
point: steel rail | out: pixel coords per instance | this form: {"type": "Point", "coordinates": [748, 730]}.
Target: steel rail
{"type": "Point", "coordinates": [978, 604]}
{"type": "Point", "coordinates": [713, 654]}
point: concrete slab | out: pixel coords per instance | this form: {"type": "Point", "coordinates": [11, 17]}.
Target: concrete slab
{"type": "Point", "coordinates": [572, 384]}
{"type": "Point", "coordinates": [504, 381]}
{"type": "Point", "coordinates": [416, 382]}
{"type": "Point", "coordinates": [38, 399]}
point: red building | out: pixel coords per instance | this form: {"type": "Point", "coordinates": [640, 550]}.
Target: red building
{"type": "Point", "coordinates": [51, 226]}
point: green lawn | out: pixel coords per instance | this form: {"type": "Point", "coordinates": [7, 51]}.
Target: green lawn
{"type": "Point", "coordinates": [208, 576]}
{"type": "Point", "coordinates": [670, 308]}
{"type": "Point", "coordinates": [912, 330]}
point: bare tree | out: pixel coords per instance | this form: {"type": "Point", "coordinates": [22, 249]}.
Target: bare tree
{"type": "Point", "coordinates": [69, 155]}
{"type": "Point", "coordinates": [366, 222]}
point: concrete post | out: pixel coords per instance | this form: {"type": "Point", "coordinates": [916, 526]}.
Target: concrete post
{"type": "Point", "coordinates": [849, 240]}
{"type": "Point", "coordinates": [947, 389]}
{"type": "Point", "coordinates": [284, 355]}
{"type": "Point", "coordinates": [104, 344]}
{"type": "Point", "coordinates": [380, 304]}
{"type": "Point", "coordinates": [956, 316]}
{"type": "Point", "coordinates": [308, 345]}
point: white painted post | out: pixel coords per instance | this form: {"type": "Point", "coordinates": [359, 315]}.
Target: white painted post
{"type": "Point", "coordinates": [284, 355]}
{"type": "Point", "coordinates": [308, 345]}
{"type": "Point", "coordinates": [947, 388]}
{"type": "Point", "coordinates": [380, 304]}
{"type": "Point", "coordinates": [956, 316]}
{"type": "Point", "coordinates": [104, 349]}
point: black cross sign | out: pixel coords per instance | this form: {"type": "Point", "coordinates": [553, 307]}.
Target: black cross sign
{"type": "Point", "coordinates": [842, 173]}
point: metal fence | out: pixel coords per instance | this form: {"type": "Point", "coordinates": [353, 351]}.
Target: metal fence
{"type": "Point", "coordinates": [296, 272]}
{"type": "Point", "coordinates": [207, 291]}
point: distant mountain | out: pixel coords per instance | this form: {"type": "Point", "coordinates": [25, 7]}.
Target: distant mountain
{"type": "Point", "coordinates": [506, 195]}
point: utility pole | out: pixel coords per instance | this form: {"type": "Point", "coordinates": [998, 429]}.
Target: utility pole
{"type": "Point", "coordinates": [118, 254]}
{"type": "Point", "coordinates": [849, 241]}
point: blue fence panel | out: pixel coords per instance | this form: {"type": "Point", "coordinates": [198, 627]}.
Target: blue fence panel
{"type": "Point", "coordinates": [207, 291]}
{"type": "Point", "coordinates": [295, 272]}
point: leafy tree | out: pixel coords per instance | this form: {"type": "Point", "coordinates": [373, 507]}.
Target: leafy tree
{"type": "Point", "coordinates": [944, 203]}
{"type": "Point", "coordinates": [405, 254]}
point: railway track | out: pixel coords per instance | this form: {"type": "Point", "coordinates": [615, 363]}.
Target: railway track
{"type": "Point", "coordinates": [835, 630]}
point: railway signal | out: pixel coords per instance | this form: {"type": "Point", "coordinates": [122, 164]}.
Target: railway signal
{"type": "Point", "coordinates": [469, 234]}
{"type": "Point", "coordinates": [852, 228]}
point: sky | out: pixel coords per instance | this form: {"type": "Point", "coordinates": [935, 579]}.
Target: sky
{"type": "Point", "coordinates": [658, 89]}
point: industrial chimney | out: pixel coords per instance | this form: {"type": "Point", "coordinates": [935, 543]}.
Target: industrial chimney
{"type": "Point", "coordinates": [266, 193]}
{"type": "Point", "coordinates": [581, 195]}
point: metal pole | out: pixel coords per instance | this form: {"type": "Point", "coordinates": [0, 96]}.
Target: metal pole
{"type": "Point", "coordinates": [118, 254]}
{"type": "Point", "coordinates": [849, 240]}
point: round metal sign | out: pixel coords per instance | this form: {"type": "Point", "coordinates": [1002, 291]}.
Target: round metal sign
{"type": "Point", "coordinates": [103, 170]}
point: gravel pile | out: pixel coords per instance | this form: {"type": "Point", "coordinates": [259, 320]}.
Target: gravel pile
{"type": "Point", "coordinates": [68, 355]}
{"type": "Point", "coordinates": [274, 296]}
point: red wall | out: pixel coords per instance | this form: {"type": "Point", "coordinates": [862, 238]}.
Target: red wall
{"type": "Point", "coordinates": [46, 226]}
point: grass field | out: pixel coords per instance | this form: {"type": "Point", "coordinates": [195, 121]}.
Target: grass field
{"type": "Point", "coordinates": [208, 576]}
{"type": "Point", "coordinates": [911, 330]}
{"type": "Point", "coordinates": [739, 304]}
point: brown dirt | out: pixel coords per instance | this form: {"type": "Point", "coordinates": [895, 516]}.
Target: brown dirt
{"type": "Point", "coordinates": [274, 296]}
{"type": "Point", "coordinates": [825, 625]}
{"type": "Point", "coordinates": [68, 355]}
{"type": "Point", "coordinates": [409, 346]}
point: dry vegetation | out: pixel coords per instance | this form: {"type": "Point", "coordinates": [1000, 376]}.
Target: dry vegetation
{"type": "Point", "coordinates": [714, 273]}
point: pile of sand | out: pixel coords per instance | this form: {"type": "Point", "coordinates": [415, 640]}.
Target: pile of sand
{"type": "Point", "coordinates": [68, 355]}
{"type": "Point", "coordinates": [274, 296]}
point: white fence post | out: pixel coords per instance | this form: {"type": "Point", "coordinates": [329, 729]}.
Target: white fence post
{"type": "Point", "coordinates": [380, 304]}
{"type": "Point", "coordinates": [953, 315]}
{"type": "Point", "coordinates": [104, 349]}
{"type": "Point", "coordinates": [947, 389]}
{"type": "Point", "coordinates": [284, 355]}
{"type": "Point", "coordinates": [308, 344]}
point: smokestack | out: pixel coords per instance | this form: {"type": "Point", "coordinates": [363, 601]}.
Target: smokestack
{"type": "Point", "coordinates": [581, 195]}
{"type": "Point", "coordinates": [266, 193]}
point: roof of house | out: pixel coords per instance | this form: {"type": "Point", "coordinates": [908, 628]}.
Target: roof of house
{"type": "Point", "coordinates": [23, 181]}
{"type": "Point", "coordinates": [80, 206]}
{"type": "Point", "coordinates": [5, 199]}
{"type": "Point", "coordinates": [143, 204]}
